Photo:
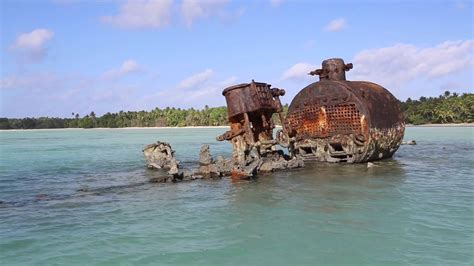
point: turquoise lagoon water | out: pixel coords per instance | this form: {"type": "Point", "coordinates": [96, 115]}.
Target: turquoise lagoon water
{"type": "Point", "coordinates": [82, 197]}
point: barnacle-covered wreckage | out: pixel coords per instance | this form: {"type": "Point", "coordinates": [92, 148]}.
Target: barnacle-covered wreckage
{"type": "Point", "coordinates": [332, 120]}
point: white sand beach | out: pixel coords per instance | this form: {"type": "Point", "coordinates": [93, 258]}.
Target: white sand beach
{"type": "Point", "coordinates": [199, 127]}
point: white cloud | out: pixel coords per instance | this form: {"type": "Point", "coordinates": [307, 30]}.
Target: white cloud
{"type": "Point", "coordinates": [55, 94]}
{"type": "Point", "coordinates": [210, 91]}
{"type": "Point", "coordinates": [195, 9]}
{"type": "Point", "coordinates": [129, 66]}
{"type": "Point", "coordinates": [298, 71]}
{"type": "Point", "coordinates": [159, 13]}
{"type": "Point", "coordinates": [142, 14]}
{"type": "Point", "coordinates": [33, 40]}
{"type": "Point", "coordinates": [452, 85]}
{"type": "Point", "coordinates": [113, 94]}
{"type": "Point", "coordinates": [37, 81]}
{"type": "Point", "coordinates": [400, 64]}
{"type": "Point", "coordinates": [336, 25]}
{"type": "Point", "coordinates": [31, 46]}
{"type": "Point", "coordinates": [205, 90]}
{"type": "Point", "coordinates": [196, 79]}
{"type": "Point", "coordinates": [276, 3]}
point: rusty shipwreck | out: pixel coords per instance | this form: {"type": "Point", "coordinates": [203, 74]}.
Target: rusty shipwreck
{"type": "Point", "coordinates": [337, 120]}
{"type": "Point", "coordinates": [331, 120]}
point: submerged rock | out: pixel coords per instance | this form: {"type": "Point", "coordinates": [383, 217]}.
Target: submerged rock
{"type": "Point", "coordinates": [205, 157]}
{"type": "Point", "coordinates": [277, 160]}
{"type": "Point", "coordinates": [208, 171]}
{"type": "Point", "coordinates": [174, 165]}
{"type": "Point", "coordinates": [296, 162]}
{"type": "Point", "coordinates": [371, 165]}
{"type": "Point", "coordinates": [411, 142]}
{"type": "Point", "coordinates": [160, 155]}
{"type": "Point", "coordinates": [83, 189]}
{"type": "Point", "coordinates": [186, 175]}
{"type": "Point", "coordinates": [207, 167]}
{"type": "Point", "coordinates": [224, 166]}
{"type": "Point", "coordinates": [161, 179]}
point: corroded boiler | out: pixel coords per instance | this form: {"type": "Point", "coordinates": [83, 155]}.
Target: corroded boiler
{"type": "Point", "coordinates": [336, 120]}
{"type": "Point", "coordinates": [250, 108]}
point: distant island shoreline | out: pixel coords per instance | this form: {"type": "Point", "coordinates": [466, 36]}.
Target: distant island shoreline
{"type": "Point", "coordinates": [449, 109]}
{"type": "Point", "coordinates": [205, 127]}
{"type": "Point", "coordinates": [443, 125]}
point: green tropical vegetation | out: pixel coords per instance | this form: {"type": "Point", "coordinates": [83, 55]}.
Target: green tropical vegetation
{"type": "Point", "coordinates": [171, 117]}
{"type": "Point", "coordinates": [447, 108]}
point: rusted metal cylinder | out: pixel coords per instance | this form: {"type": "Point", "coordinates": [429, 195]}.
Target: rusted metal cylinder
{"type": "Point", "coordinates": [336, 120]}
{"type": "Point", "coordinates": [250, 108]}
{"type": "Point", "coordinates": [251, 97]}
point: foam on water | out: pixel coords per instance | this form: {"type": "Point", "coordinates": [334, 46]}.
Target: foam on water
{"type": "Point", "coordinates": [82, 197]}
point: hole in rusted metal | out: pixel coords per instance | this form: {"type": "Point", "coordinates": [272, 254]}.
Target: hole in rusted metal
{"type": "Point", "coordinates": [307, 150]}
{"type": "Point", "coordinates": [340, 158]}
{"type": "Point", "coordinates": [337, 146]}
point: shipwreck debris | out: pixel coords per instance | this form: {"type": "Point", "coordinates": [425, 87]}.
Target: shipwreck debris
{"type": "Point", "coordinates": [250, 108]}
{"type": "Point", "coordinates": [335, 120]}
{"type": "Point", "coordinates": [371, 165]}
{"type": "Point", "coordinates": [332, 120]}
{"type": "Point", "coordinates": [411, 142]}
{"type": "Point", "coordinates": [207, 167]}
{"type": "Point", "coordinates": [160, 155]}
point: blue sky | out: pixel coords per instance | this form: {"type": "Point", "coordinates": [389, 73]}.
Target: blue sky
{"type": "Point", "coordinates": [64, 56]}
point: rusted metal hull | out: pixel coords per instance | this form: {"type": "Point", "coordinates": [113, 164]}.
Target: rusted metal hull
{"type": "Point", "coordinates": [333, 120]}
{"type": "Point", "coordinates": [345, 121]}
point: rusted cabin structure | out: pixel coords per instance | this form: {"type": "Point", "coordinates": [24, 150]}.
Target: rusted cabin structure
{"type": "Point", "coordinates": [250, 108]}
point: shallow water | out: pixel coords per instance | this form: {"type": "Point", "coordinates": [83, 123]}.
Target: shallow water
{"type": "Point", "coordinates": [82, 197]}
